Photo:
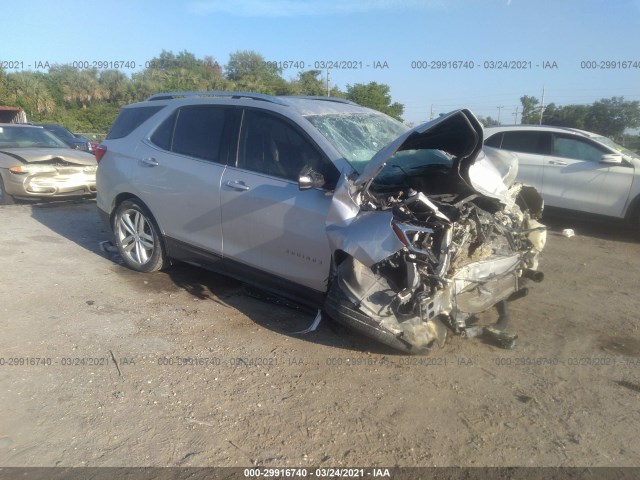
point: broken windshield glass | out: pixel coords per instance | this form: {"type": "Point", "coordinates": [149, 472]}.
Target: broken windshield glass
{"type": "Point", "coordinates": [358, 136]}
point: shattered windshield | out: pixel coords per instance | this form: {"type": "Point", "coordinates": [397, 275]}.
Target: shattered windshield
{"type": "Point", "coordinates": [358, 136]}
{"type": "Point", "coordinates": [28, 137]}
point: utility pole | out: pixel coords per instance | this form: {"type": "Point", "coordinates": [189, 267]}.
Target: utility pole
{"type": "Point", "coordinates": [499, 108]}
{"type": "Point", "coordinates": [516, 114]}
{"type": "Point", "coordinates": [328, 75]}
{"type": "Point", "coordinates": [431, 114]}
{"type": "Point", "coordinates": [542, 106]}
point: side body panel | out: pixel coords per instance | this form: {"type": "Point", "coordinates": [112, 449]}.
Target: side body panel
{"type": "Point", "coordinates": [267, 223]}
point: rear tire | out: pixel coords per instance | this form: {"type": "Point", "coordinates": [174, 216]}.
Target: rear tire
{"type": "Point", "coordinates": [138, 238]}
{"type": "Point", "coordinates": [5, 198]}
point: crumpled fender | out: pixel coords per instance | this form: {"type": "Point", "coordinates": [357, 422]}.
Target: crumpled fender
{"type": "Point", "coordinates": [366, 236]}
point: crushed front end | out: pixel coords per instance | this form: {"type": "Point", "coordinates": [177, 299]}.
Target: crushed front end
{"type": "Point", "coordinates": [420, 253]}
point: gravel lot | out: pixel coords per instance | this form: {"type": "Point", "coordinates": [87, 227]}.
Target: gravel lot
{"type": "Point", "coordinates": [102, 366]}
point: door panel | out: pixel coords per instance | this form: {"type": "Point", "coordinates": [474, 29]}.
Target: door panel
{"type": "Point", "coordinates": [269, 224]}
{"type": "Point", "coordinates": [183, 195]}
{"type": "Point", "coordinates": [530, 146]}
{"type": "Point", "coordinates": [530, 168]}
{"type": "Point", "coordinates": [179, 172]}
{"type": "Point", "coordinates": [574, 178]}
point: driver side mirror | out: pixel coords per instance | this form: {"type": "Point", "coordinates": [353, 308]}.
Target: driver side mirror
{"type": "Point", "coordinates": [611, 159]}
{"type": "Point", "coordinates": [309, 178]}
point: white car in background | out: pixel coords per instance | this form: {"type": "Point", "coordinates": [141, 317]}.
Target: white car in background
{"type": "Point", "coordinates": [574, 169]}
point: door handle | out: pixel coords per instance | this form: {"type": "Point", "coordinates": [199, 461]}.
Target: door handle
{"type": "Point", "coordinates": [149, 162]}
{"type": "Point", "coordinates": [557, 162]}
{"type": "Point", "coordinates": [237, 185]}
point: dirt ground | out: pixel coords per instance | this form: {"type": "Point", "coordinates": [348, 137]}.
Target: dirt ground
{"type": "Point", "coordinates": [101, 366]}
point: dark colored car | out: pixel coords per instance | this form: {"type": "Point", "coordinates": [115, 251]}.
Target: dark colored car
{"type": "Point", "coordinates": [77, 142]}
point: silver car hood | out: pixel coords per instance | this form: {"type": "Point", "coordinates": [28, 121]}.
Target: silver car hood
{"type": "Point", "coordinates": [44, 154]}
{"type": "Point", "coordinates": [458, 133]}
{"type": "Point", "coordinates": [487, 171]}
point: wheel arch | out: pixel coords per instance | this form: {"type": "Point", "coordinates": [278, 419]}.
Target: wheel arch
{"type": "Point", "coordinates": [633, 210]}
{"type": "Point", "coordinates": [122, 197]}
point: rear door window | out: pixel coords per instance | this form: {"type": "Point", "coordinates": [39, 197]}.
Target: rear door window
{"type": "Point", "coordinates": [527, 142]}
{"type": "Point", "coordinates": [199, 131]}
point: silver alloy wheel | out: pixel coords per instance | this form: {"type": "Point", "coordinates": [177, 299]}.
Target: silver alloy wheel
{"type": "Point", "coordinates": [135, 235]}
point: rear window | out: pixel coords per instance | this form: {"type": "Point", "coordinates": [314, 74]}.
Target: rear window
{"type": "Point", "coordinates": [494, 141]}
{"type": "Point", "coordinates": [196, 131]}
{"type": "Point", "coordinates": [526, 142]}
{"type": "Point", "coordinates": [129, 119]}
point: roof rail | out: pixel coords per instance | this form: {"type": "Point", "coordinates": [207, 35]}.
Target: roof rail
{"type": "Point", "coordinates": [215, 93]}
{"type": "Point", "coordinates": [326, 99]}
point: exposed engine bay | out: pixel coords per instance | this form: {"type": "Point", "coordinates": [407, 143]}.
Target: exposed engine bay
{"type": "Point", "coordinates": [463, 246]}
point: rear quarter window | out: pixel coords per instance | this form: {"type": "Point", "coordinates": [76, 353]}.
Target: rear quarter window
{"type": "Point", "coordinates": [129, 119]}
{"type": "Point", "coordinates": [494, 140]}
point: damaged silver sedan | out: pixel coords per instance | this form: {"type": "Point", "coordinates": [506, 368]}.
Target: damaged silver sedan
{"type": "Point", "coordinates": [34, 164]}
{"type": "Point", "coordinates": [402, 234]}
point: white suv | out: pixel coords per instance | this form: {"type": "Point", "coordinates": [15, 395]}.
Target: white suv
{"type": "Point", "coordinates": [573, 169]}
{"type": "Point", "coordinates": [395, 232]}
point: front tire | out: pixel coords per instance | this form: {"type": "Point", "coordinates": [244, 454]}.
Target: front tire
{"type": "Point", "coordinates": [137, 237]}
{"type": "Point", "coordinates": [5, 198]}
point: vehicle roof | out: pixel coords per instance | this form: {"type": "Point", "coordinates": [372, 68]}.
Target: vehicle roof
{"type": "Point", "coordinates": [49, 125]}
{"type": "Point", "coordinates": [506, 128]}
{"type": "Point", "coordinates": [299, 104]}
{"type": "Point", "coordinates": [20, 125]}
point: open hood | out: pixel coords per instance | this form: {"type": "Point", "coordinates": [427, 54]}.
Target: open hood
{"type": "Point", "coordinates": [458, 133]}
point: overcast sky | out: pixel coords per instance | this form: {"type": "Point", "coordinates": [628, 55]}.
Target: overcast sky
{"type": "Point", "coordinates": [560, 34]}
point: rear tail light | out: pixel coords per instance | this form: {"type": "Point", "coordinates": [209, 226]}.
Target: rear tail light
{"type": "Point", "coordinates": [100, 151]}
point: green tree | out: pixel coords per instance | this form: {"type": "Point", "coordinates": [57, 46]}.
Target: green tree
{"type": "Point", "coordinates": [114, 85]}
{"type": "Point", "coordinates": [249, 71]}
{"type": "Point", "coordinates": [530, 110]}
{"type": "Point", "coordinates": [309, 83]}
{"type": "Point", "coordinates": [375, 95]}
{"type": "Point", "coordinates": [488, 121]}
{"type": "Point", "coordinates": [568, 116]}
{"type": "Point", "coordinates": [610, 117]}
{"type": "Point", "coordinates": [77, 87]}
{"type": "Point", "coordinates": [181, 72]}
{"type": "Point", "coordinates": [5, 95]}
{"type": "Point", "coordinates": [31, 93]}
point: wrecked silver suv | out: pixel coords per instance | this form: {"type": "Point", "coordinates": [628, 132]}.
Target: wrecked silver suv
{"type": "Point", "coordinates": [402, 234]}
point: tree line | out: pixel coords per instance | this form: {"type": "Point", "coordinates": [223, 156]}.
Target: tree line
{"type": "Point", "coordinates": [609, 116]}
{"type": "Point", "coordinates": [88, 100]}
